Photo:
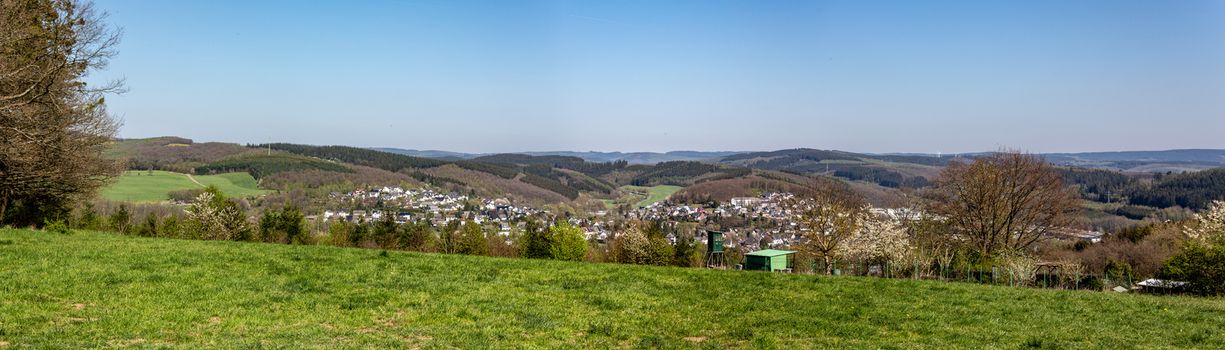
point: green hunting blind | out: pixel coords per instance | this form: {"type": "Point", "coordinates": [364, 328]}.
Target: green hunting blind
{"type": "Point", "coordinates": [714, 249]}
{"type": "Point", "coordinates": [714, 241]}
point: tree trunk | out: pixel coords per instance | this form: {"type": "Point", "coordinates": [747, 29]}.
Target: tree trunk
{"type": "Point", "coordinates": [4, 205]}
{"type": "Point", "coordinates": [829, 269]}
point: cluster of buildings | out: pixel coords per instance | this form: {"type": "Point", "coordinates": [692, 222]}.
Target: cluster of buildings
{"type": "Point", "coordinates": [408, 205]}
{"type": "Point", "coordinates": [745, 221]}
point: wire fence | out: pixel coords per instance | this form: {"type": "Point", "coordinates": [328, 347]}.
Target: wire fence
{"type": "Point", "coordinates": [1044, 276]}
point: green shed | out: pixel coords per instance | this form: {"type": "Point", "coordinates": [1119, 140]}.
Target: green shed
{"type": "Point", "coordinates": [770, 260]}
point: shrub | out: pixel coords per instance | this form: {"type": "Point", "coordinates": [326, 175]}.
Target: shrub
{"type": "Point", "coordinates": [212, 217]}
{"type": "Point", "coordinates": [56, 226]}
{"type": "Point", "coordinates": [88, 219]}
{"type": "Point", "coordinates": [1135, 234]}
{"type": "Point", "coordinates": [284, 226]}
{"type": "Point", "coordinates": [150, 226]}
{"type": "Point", "coordinates": [1080, 245]}
{"type": "Point", "coordinates": [1119, 271]}
{"type": "Point", "coordinates": [1201, 265]}
{"type": "Point", "coordinates": [569, 242]}
{"type": "Point", "coordinates": [1022, 268]}
{"type": "Point", "coordinates": [661, 252]}
{"type": "Point", "coordinates": [417, 236]}
{"type": "Point", "coordinates": [631, 247]}
{"type": "Point", "coordinates": [184, 196]}
{"type": "Point", "coordinates": [171, 227]}
{"type": "Point", "coordinates": [338, 234]}
{"type": "Point", "coordinates": [121, 219]}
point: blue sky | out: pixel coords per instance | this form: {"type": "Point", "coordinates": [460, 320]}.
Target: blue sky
{"type": "Point", "coordinates": [499, 76]}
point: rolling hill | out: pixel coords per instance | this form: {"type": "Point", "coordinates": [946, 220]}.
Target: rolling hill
{"type": "Point", "coordinates": [571, 178]}
{"type": "Point", "coordinates": [591, 156]}
{"type": "Point", "coordinates": [1144, 161]}
{"type": "Point", "coordinates": [893, 171]}
{"type": "Point", "coordinates": [93, 290]}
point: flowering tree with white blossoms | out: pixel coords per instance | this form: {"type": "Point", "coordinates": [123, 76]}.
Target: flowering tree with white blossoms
{"type": "Point", "coordinates": [878, 238]}
{"type": "Point", "coordinates": [213, 217]}
{"type": "Point", "coordinates": [1209, 225]}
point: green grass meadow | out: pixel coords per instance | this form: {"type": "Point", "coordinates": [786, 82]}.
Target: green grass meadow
{"type": "Point", "coordinates": [145, 186]}
{"type": "Point", "coordinates": [641, 196]}
{"type": "Point", "coordinates": [87, 290]}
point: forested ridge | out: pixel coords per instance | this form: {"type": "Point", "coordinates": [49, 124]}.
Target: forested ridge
{"type": "Point", "coordinates": [1192, 190]}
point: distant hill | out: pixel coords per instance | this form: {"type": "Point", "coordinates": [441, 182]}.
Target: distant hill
{"type": "Point", "coordinates": [885, 170]}
{"type": "Point", "coordinates": [1144, 161]}
{"type": "Point", "coordinates": [428, 153]}
{"type": "Point", "coordinates": [590, 156]}
{"type": "Point", "coordinates": [1175, 155]}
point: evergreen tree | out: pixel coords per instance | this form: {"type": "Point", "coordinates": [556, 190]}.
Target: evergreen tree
{"type": "Point", "coordinates": [417, 236]}
{"type": "Point", "coordinates": [384, 233]}
{"type": "Point", "coordinates": [121, 219]}
{"type": "Point", "coordinates": [685, 251]}
{"type": "Point", "coordinates": [284, 226]}
{"type": "Point", "coordinates": [536, 243]}
{"type": "Point", "coordinates": [450, 237]}
{"type": "Point", "coordinates": [150, 226]}
{"type": "Point", "coordinates": [88, 219]}
{"type": "Point", "coordinates": [472, 240]}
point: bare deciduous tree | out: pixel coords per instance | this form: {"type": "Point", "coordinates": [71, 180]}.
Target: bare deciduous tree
{"type": "Point", "coordinates": [1002, 203]}
{"type": "Point", "coordinates": [53, 125]}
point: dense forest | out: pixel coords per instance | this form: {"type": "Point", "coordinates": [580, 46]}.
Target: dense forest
{"type": "Point", "coordinates": [683, 173]}
{"type": "Point", "coordinates": [358, 156]}
{"type": "Point", "coordinates": [1192, 190]}
{"type": "Point", "coordinates": [883, 170]}
{"type": "Point", "coordinates": [262, 165]}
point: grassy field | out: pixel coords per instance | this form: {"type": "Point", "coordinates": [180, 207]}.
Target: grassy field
{"type": "Point", "coordinates": [100, 290]}
{"type": "Point", "coordinates": [641, 196]}
{"type": "Point", "coordinates": [140, 186]}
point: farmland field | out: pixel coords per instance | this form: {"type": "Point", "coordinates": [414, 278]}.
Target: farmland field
{"type": "Point", "coordinates": [641, 196]}
{"type": "Point", "coordinates": [88, 289]}
{"type": "Point", "coordinates": [145, 186]}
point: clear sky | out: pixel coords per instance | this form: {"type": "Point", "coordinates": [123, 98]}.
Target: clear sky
{"type": "Point", "coordinates": [500, 76]}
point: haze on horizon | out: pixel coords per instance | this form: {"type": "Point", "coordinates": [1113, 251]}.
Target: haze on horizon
{"type": "Point", "coordinates": [503, 76]}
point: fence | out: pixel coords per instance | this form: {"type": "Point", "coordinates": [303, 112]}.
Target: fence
{"type": "Point", "coordinates": [1045, 276]}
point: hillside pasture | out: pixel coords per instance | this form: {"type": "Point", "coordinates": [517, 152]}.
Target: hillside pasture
{"type": "Point", "coordinates": [654, 194]}
{"type": "Point", "coordinates": [641, 196]}
{"type": "Point", "coordinates": [91, 290]}
{"type": "Point", "coordinates": [154, 186]}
